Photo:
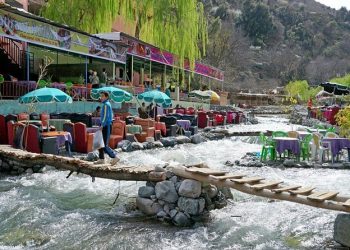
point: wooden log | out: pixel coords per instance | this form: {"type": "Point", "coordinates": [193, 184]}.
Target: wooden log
{"type": "Point", "coordinates": [118, 172]}
{"type": "Point", "coordinates": [180, 171]}
{"type": "Point", "coordinates": [266, 185]}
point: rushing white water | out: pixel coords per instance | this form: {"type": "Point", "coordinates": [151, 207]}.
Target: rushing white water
{"type": "Point", "coordinates": [48, 211]}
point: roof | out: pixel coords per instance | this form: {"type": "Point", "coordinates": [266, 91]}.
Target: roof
{"type": "Point", "coordinates": [24, 13]}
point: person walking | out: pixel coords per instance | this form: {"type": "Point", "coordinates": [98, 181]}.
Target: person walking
{"type": "Point", "coordinates": [309, 107]}
{"type": "Point", "coordinates": [104, 77]}
{"type": "Point", "coordinates": [106, 127]}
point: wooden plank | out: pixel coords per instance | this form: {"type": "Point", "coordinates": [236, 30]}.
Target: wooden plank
{"type": "Point", "coordinates": [305, 190]}
{"type": "Point", "coordinates": [247, 180]}
{"type": "Point", "coordinates": [322, 196]}
{"type": "Point", "coordinates": [346, 204]}
{"type": "Point", "coordinates": [206, 171]}
{"type": "Point", "coordinates": [229, 176]}
{"type": "Point", "coordinates": [285, 189]}
{"type": "Point", "coordinates": [266, 185]}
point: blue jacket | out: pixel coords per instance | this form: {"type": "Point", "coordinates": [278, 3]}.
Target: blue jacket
{"type": "Point", "coordinates": [106, 113]}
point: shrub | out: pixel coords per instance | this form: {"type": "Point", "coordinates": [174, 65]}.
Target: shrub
{"type": "Point", "coordinates": [343, 120]}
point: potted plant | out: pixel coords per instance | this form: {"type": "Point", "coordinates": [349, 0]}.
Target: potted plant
{"type": "Point", "coordinates": [2, 79]}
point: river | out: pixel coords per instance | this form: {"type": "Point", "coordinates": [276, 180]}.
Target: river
{"type": "Point", "coordinates": [48, 211]}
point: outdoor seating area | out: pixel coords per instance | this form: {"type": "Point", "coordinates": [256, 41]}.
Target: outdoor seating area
{"type": "Point", "coordinates": [325, 113]}
{"type": "Point", "coordinates": [63, 133]}
{"type": "Point", "coordinates": [317, 144]}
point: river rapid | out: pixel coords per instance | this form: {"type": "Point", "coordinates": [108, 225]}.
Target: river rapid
{"type": "Point", "coordinates": [48, 211]}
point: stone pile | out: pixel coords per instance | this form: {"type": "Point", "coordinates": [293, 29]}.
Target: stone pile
{"type": "Point", "coordinates": [180, 201]}
{"type": "Point", "coordinates": [16, 167]}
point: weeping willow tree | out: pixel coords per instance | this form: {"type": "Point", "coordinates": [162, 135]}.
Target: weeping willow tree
{"type": "Point", "coordinates": [178, 26]}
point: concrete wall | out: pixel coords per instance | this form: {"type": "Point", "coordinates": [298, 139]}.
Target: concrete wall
{"type": "Point", "coordinates": [13, 107]}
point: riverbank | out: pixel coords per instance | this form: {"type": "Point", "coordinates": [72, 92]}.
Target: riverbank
{"type": "Point", "coordinates": [46, 210]}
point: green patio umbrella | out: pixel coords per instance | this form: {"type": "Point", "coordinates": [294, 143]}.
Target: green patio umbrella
{"type": "Point", "coordinates": [115, 94]}
{"type": "Point", "coordinates": [157, 97]}
{"type": "Point", "coordinates": [45, 95]}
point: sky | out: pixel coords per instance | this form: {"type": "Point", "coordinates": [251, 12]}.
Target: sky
{"type": "Point", "coordinates": [337, 4]}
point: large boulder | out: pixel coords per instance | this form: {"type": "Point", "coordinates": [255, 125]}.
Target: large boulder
{"type": "Point", "coordinates": [182, 139]}
{"type": "Point", "coordinates": [148, 206]}
{"type": "Point", "coordinates": [342, 229]}
{"type": "Point", "coordinates": [168, 141]}
{"type": "Point", "coordinates": [158, 144]}
{"type": "Point", "coordinates": [191, 206]}
{"type": "Point", "coordinates": [148, 145]}
{"type": "Point", "coordinates": [136, 145]}
{"type": "Point", "coordinates": [181, 220]}
{"type": "Point", "coordinates": [190, 188]}
{"type": "Point", "coordinates": [125, 145]}
{"type": "Point", "coordinates": [146, 191]}
{"type": "Point", "coordinates": [165, 190]}
{"type": "Point", "coordinates": [197, 138]}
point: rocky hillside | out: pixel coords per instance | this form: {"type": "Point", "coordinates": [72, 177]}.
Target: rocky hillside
{"type": "Point", "coordinates": [262, 44]}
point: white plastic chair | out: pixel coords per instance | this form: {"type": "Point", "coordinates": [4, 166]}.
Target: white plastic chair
{"type": "Point", "coordinates": [317, 147]}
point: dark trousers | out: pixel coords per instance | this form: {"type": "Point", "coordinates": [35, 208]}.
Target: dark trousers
{"type": "Point", "coordinates": [106, 132]}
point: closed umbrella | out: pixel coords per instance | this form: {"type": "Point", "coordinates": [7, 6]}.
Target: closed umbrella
{"type": "Point", "coordinates": [45, 95]}
{"type": "Point", "coordinates": [115, 94]}
{"type": "Point", "coordinates": [200, 94]}
{"type": "Point", "coordinates": [213, 95]}
{"type": "Point", "coordinates": [155, 96]}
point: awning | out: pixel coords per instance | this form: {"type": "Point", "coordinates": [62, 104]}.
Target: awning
{"type": "Point", "coordinates": [23, 26]}
{"type": "Point", "coordinates": [335, 88]}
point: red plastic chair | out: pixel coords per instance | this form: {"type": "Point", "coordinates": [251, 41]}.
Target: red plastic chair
{"type": "Point", "coordinates": [32, 139]}
{"type": "Point", "coordinates": [203, 119]}
{"type": "Point", "coordinates": [11, 133]}
{"type": "Point", "coordinates": [3, 130]}
{"type": "Point", "coordinates": [83, 140]}
{"type": "Point", "coordinates": [117, 134]}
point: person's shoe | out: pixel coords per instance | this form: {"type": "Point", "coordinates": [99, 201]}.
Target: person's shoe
{"type": "Point", "coordinates": [100, 161]}
{"type": "Point", "coordinates": [114, 160]}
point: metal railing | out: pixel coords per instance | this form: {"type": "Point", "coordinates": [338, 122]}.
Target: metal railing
{"type": "Point", "coordinates": [16, 89]}
{"type": "Point", "coordinates": [12, 50]}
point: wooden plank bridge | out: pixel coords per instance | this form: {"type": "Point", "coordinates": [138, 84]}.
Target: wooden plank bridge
{"type": "Point", "coordinates": [258, 186]}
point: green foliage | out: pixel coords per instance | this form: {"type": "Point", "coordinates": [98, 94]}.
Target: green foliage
{"type": "Point", "coordinates": [301, 90]}
{"type": "Point", "coordinates": [256, 21]}
{"type": "Point", "coordinates": [345, 80]}
{"type": "Point", "coordinates": [179, 26]}
{"type": "Point", "coordinates": [2, 79]}
{"type": "Point", "coordinates": [343, 120]}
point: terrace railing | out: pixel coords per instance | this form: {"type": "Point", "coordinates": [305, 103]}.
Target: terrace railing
{"type": "Point", "coordinates": [12, 50]}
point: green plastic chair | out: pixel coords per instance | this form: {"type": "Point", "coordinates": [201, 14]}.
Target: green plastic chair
{"type": "Point", "coordinates": [305, 147]}
{"type": "Point", "coordinates": [279, 134]}
{"type": "Point", "coordinates": [268, 148]}
{"type": "Point", "coordinates": [320, 127]}
{"type": "Point", "coordinates": [331, 129]}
